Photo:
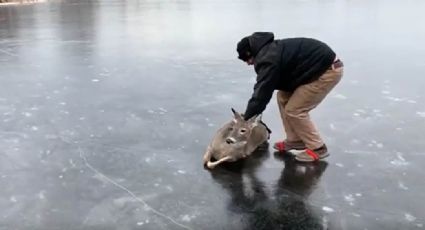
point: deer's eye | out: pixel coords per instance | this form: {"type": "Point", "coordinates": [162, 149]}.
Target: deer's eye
{"type": "Point", "coordinates": [243, 130]}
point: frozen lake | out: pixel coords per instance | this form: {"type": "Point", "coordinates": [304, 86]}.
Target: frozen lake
{"type": "Point", "coordinates": [106, 109]}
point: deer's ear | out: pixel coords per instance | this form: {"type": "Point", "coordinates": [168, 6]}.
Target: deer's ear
{"type": "Point", "coordinates": [234, 111]}
{"type": "Point", "coordinates": [236, 115]}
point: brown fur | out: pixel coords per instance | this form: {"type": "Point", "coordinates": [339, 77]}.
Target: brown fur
{"type": "Point", "coordinates": [235, 140]}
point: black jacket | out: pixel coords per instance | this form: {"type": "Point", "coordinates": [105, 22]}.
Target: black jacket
{"type": "Point", "coordinates": [284, 65]}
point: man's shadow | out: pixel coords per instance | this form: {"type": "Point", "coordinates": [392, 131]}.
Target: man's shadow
{"type": "Point", "coordinates": [296, 183]}
{"type": "Point", "coordinates": [285, 207]}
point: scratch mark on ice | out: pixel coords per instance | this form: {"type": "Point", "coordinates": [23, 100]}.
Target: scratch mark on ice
{"type": "Point", "coordinates": [129, 192]}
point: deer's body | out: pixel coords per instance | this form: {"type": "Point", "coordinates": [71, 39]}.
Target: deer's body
{"type": "Point", "coordinates": [235, 140]}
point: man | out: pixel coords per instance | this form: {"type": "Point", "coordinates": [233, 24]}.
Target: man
{"type": "Point", "coordinates": [304, 71]}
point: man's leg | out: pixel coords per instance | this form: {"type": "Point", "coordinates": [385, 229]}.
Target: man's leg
{"type": "Point", "coordinates": [306, 98]}
{"type": "Point", "coordinates": [282, 100]}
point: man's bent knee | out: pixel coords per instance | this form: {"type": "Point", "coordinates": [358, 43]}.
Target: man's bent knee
{"type": "Point", "coordinates": [295, 113]}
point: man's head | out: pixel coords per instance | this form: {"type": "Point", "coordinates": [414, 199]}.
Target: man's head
{"type": "Point", "coordinates": [244, 50]}
{"type": "Point", "coordinates": [248, 47]}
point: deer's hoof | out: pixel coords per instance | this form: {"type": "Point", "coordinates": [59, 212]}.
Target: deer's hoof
{"type": "Point", "coordinates": [210, 165]}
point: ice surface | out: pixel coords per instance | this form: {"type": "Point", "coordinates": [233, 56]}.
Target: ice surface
{"type": "Point", "coordinates": [140, 87]}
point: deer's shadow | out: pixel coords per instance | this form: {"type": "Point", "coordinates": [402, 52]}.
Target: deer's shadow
{"type": "Point", "coordinates": [285, 207]}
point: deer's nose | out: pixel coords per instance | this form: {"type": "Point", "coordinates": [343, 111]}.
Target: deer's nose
{"type": "Point", "coordinates": [230, 140]}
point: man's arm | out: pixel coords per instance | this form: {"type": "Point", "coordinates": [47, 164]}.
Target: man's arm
{"type": "Point", "coordinates": [263, 90]}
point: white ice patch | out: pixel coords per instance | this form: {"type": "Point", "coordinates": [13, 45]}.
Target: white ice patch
{"type": "Point", "coordinates": [34, 128]}
{"type": "Point", "coordinates": [339, 165]}
{"type": "Point", "coordinates": [358, 194]}
{"type": "Point", "coordinates": [162, 110]}
{"type": "Point", "coordinates": [350, 199]}
{"type": "Point", "coordinates": [400, 161]}
{"type": "Point", "coordinates": [340, 96]}
{"type": "Point", "coordinates": [411, 101]}
{"type": "Point", "coordinates": [13, 199]}
{"type": "Point", "coordinates": [332, 126]}
{"type": "Point", "coordinates": [187, 218]}
{"type": "Point", "coordinates": [385, 92]}
{"type": "Point", "coordinates": [377, 144]}
{"type": "Point", "coordinates": [402, 186]}
{"type": "Point", "coordinates": [409, 217]}
{"type": "Point", "coordinates": [95, 80]}
{"type": "Point", "coordinates": [328, 209]}
{"type": "Point", "coordinates": [27, 114]}
{"type": "Point", "coordinates": [395, 99]}
{"type": "Point", "coordinates": [41, 195]}
{"type": "Point", "coordinates": [140, 223]}
{"type": "Point", "coordinates": [71, 162]}
{"type": "Point", "coordinates": [181, 172]}
{"type": "Point", "coordinates": [421, 114]}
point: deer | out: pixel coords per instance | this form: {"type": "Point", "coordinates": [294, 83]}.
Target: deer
{"type": "Point", "coordinates": [236, 140]}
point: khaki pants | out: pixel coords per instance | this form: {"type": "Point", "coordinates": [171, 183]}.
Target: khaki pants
{"type": "Point", "coordinates": [295, 107]}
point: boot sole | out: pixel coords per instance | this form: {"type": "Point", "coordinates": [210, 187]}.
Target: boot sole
{"type": "Point", "coordinates": [311, 159]}
{"type": "Point", "coordinates": [298, 148]}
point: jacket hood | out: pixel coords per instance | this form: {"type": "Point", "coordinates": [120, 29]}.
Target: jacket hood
{"type": "Point", "coordinates": [259, 39]}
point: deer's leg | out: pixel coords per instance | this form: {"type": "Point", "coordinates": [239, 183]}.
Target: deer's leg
{"type": "Point", "coordinates": [207, 155]}
{"type": "Point", "coordinates": [212, 165]}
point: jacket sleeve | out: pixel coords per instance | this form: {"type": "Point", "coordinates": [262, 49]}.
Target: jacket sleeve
{"type": "Point", "coordinates": [263, 90]}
